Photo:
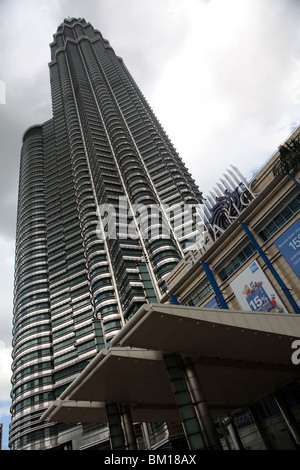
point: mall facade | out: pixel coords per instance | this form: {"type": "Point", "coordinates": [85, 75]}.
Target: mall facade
{"type": "Point", "coordinates": [249, 260]}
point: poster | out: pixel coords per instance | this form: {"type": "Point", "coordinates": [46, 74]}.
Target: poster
{"type": "Point", "coordinates": [254, 292]}
{"type": "Point", "coordinates": [289, 246]}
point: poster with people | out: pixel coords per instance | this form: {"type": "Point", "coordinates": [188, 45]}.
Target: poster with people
{"type": "Point", "coordinates": [254, 291]}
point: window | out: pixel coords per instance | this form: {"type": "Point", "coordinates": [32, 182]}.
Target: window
{"type": "Point", "coordinates": [202, 294]}
{"type": "Point", "coordinates": [237, 261]}
{"type": "Point", "coordinates": [280, 219]}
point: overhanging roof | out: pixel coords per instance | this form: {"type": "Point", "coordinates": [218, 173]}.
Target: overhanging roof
{"type": "Point", "coordinates": [208, 332]}
{"type": "Point", "coordinates": [128, 375]}
{"type": "Point", "coordinates": [239, 357]}
{"type": "Point", "coordinates": [66, 411]}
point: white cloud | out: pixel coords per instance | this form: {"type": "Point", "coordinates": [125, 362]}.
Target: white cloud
{"type": "Point", "coordinates": [6, 287]}
{"type": "Point", "coordinates": [5, 374]}
{"type": "Point", "coordinates": [232, 94]}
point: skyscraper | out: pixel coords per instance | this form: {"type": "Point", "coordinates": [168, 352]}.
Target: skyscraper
{"type": "Point", "coordinates": [106, 210]}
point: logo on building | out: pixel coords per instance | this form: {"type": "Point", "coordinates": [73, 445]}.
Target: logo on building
{"type": "Point", "coordinates": [220, 208]}
{"type": "Point", "coordinates": [296, 354]}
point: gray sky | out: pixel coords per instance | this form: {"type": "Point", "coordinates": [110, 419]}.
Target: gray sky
{"type": "Point", "coordinates": [222, 76]}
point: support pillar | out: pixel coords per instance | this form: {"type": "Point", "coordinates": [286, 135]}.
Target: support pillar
{"type": "Point", "coordinates": [224, 431]}
{"type": "Point", "coordinates": [115, 427]}
{"type": "Point", "coordinates": [208, 427]}
{"type": "Point", "coordinates": [214, 284]}
{"type": "Point", "coordinates": [186, 408]}
{"type": "Point", "coordinates": [295, 307]}
{"type": "Point", "coordinates": [288, 417]}
{"type": "Point", "coordinates": [293, 179]}
{"type": "Point", "coordinates": [234, 434]}
{"type": "Point", "coordinates": [146, 436]}
{"type": "Point", "coordinates": [128, 428]}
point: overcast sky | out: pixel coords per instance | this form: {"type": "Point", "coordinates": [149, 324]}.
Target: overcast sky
{"type": "Point", "coordinates": [222, 76]}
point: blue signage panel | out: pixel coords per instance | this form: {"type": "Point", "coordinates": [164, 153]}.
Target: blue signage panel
{"type": "Point", "coordinates": [289, 246]}
{"type": "Point", "coordinates": [212, 304]}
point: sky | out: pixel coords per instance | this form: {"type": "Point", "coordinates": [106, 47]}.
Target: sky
{"type": "Point", "coordinates": [222, 76]}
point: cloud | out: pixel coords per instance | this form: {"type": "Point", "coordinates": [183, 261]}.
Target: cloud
{"type": "Point", "coordinates": [211, 71]}
{"type": "Point", "coordinates": [234, 97]}
{"type": "Point", "coordinates": [5, 373]}
{"type": "Point", "coordinates": [222, 78]}
{"type": "Point", "coordinates": [6, 288]}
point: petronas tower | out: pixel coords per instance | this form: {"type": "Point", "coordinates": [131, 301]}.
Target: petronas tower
{"type": "Point", "coordinates": [106, 210]}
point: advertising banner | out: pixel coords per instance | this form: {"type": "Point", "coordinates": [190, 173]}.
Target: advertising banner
{"type": "Point", "coordinates": [289, 246]}
{"type": "Point", "coordinates": [254, 291]}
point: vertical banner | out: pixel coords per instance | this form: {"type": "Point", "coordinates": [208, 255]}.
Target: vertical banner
{"type": "Point", "coordinates": [289, 246]}
{"type": "Point", "coordinates": [254, 291]}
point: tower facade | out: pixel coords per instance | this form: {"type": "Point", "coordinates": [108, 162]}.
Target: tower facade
{"type": "Point", "coordinates": [106, 209]}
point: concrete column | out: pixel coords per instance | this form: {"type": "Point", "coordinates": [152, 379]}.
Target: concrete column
{"type": "Point", "coordinates": [288, 417]}
{"type": "Point", "coordinates": [128, 428]}
{"type": "Point", "coordinates": [146, 436]}
{"type": "Point", "coordinates": [208, 427]}
{"type": "Point", "coordinates": [190, 421]}
{"type": "Point", "coordinates": [115, 427]}
{"type": "Point", "coordinates": [234, 434]}
{"type": "Point", "coordinates": [224, 431]}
